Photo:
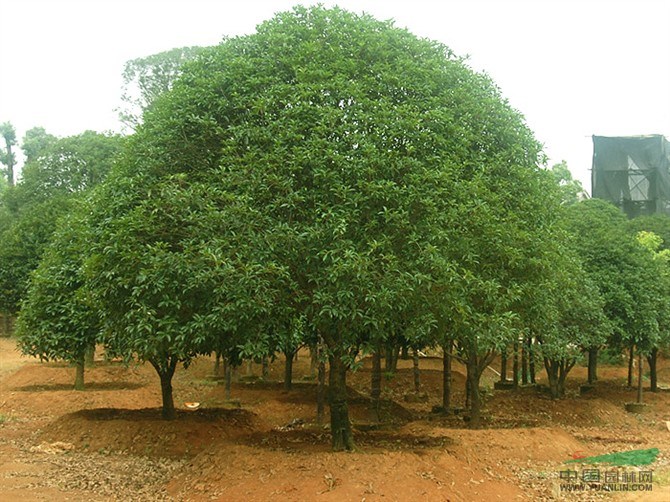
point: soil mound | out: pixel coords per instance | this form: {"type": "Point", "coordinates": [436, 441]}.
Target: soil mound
{"type": "Point", "coordinates": [144, 432]}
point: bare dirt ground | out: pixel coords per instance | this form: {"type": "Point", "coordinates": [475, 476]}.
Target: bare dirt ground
{"type": "Point", "coordinates": [109, 443]}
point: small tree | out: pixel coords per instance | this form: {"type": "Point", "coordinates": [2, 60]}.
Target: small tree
{"type": "Point", "coordinates": [621, 268]}
{"type": "Point", "coordinates": [166, 273]}
{"type": "Point", "coordinates": [574, 320]}
{"type": "Point", "coordinates": [58, 320]}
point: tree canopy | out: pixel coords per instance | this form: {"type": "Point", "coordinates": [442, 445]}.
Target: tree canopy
{"type": "Point", "coordinates": [363, 165]}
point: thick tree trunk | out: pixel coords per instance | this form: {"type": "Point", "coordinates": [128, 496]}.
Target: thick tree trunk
{"type": "Point", "coordinates": [79, 375]}
{"type": "Point", "coordinates": [340, 426]}
{"type": "Point", "coordinates": [165, 372]}
{"type": "Point", "coordinates": [552, 377]}
{"type": "Point", "coordinates": [515, 364]}
{"type": "Point", "coordinates": [653, 376]}
{"type": "Point", "coordinates": [503, 366]}
{"type": "Point", "coordinates": [168, 412]}
{"type": "Point", "coordinates": [446, 376]}
{"type": "Point", "coordinates": [639, 378]}
{"type": "Point", "coordinates": [376, 384]}
{"type": "Point", "coordinates": [288, 370]}
{"type": "Point", "coordinates": [630, 366]}
{"type": "Point", "coordinates": [415, 369]}
{"type": "Point", "coordinates": [557, 372]}
{"type": "Point", "coordinates": [404, 353]}
{"type": "Point", "coordinates": [593, 365]}
{"type": "Point", "coordinates": [472, 379]}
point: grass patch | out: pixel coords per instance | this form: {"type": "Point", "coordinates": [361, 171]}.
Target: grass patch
{"type": "Point", "coordinates": [634, 457]}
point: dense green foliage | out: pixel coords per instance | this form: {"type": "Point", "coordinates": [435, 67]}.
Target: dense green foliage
{"type": "Point", "coordinates": [56, 173]}
{"type": "Point", "coordinates": [622, 269]}
{"type": "Point", "coordinates": [58, 319]}
{"type": "Point", "coordinates": [328, 178]}
{"type": "Point", "coordinates": [370, 169]}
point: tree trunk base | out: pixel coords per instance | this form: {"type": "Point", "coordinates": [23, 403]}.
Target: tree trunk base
{"type": "Point", "coordinates": [506, 385]}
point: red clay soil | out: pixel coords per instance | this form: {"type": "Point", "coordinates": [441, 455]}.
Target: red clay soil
{"type": "Point", "coordinates": [109, 443]}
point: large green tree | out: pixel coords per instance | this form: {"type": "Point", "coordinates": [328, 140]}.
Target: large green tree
{"type": "Point", "coordinates": [351, 156]}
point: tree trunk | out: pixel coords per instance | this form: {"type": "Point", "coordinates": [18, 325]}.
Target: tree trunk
{"type": "Point", "coordinates": [321, 392]}
{"type": "Point", "coordinates": [472, 380]}
{"type": "Point", "coordinates": [391, 362]}
{"type": "Point", "coordinates": [79, 375]}
{"type": "Point", "coordinates": [415, 369]}
{"type": "Point", "coordinates": [653, 376]}
{"type": "Point", "coordinates": [552, 377]}
{"type": "Point", "coordinates": [630, 367]}
{"type": "Point", "coordinates": [388, 359]}
{"type": "Point", "coordinates": [524, 363]}
{"type": "Point", "coordinates": [557, 372]}
{"type": "Point", "coordinates": [228, 372]}
{"type": "Point", "coordinates": [639, 378]}
{"type": "Point", "coordinates": [404, 353]}
{"type": "Point", "coordinates": [313, 360]}
{"type": "Point", "coordinates": [503, 365]}
{"type": "Point", "coordinates": [446, 376]}
{"type": "Point", "coordinates": [340, 426]}
{"type": "Point", "coordinates": [563, 374]}
{"type": "Point", "coordinates": [376, 384]}
{"type": "Point", "coordinates": [288, 370]}
{"type": "Point", "coordinates": [593, 365]}
{"type": "Point", "coordinates": [165, 372]}
{"type": "Point", "coordinates": [217, 364]}
{"type": "Point", "coordinates": [515, 364]}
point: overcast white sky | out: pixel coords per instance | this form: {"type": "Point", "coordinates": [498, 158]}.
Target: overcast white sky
{"type": "Point", "coordinates": [573, 68]}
